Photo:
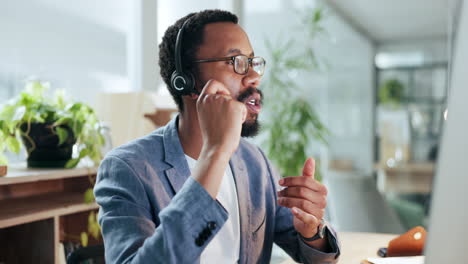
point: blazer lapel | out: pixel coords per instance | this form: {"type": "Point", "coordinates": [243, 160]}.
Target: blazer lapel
{"type": "Point", "coordinates": [174, 155]}
{"type": "Point", "coordinates": [241, 178]}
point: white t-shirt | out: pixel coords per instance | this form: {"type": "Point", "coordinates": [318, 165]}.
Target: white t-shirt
{"type": "Point", "coordinates": [225, 246]}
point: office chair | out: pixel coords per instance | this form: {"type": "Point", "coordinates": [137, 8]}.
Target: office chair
{"type": "Point", "coordinates": [89, 254]}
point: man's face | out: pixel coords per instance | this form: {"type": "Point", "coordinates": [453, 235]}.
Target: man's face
{"type": "Point", "coordinates": [225, 39]}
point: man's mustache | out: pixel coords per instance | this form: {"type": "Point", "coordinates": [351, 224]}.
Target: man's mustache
{"type": "Point", "coordinates": [250, 91]}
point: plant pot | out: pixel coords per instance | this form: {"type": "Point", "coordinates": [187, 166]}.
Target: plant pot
{"type": "Point", "coordinates": [44, 151]}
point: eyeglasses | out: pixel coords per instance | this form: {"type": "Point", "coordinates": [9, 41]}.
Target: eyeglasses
{"type": "Point", "coordinates": [241, 63]}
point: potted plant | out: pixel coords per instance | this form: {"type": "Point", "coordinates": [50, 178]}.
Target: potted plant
{"type": "Point", "coordinates": [49, 128]}
{"type": "Point", "coordinates": [391, 93]}
{"type": "Point", "coordinates": [296, 123]}
{"type": "Point", "coordinates": [393, 124]}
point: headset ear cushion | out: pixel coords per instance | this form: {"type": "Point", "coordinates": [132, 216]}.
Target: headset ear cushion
{"type": "Point", "coordinates": [190, 83]}
{"type": "Point", "coordinates": [182, 83]}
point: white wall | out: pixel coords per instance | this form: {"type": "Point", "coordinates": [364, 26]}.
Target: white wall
{"type": "Point", "coordinates": [169, 11]}
{"type": "Point", "coordinates": [349, 93]}
{"type": "Point", "coordinates": [79, 46]}
{"type": "Point", "coordinates": [343, 94]}
{"type": "Point", "coordinates": [88, 46]}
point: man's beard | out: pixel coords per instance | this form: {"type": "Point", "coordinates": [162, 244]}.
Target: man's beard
{"type": "Point", "coordinates": [251, 126]}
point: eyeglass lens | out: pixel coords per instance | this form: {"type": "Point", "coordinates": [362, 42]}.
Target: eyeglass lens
{"type": "Point", "coordinates": [258, 65]}
{"type": "Point", "coordinates": [241, 64]}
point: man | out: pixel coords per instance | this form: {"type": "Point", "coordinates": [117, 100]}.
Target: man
{"type": "Point", "coordinates": [195, 191]}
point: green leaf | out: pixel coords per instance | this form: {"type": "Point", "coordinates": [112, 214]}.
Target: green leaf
{"type": "Point", "coordinates": [83, 153]}
{"type": "Point", "coordinates": [37, 89]}
{"type": "Point", "coordinates": [59, 98]}
{"type": "Point", "coordinates": [91, 218]}
{"type": "Point", "coordinates": [7, 113]}
{"type": "Point", "coordinates": [72, 163]}
{"type": "Point", "coordinates": [95, 231]}
{"type": "Point", "coordinates": [18, 114]}
{"type": "Point", "coordinates": [84, 239]}
{"type": "Point", "coordinates": [8, 116]}
{"type": "Point", "coordinates": [3, 159]}
{"type": "Point", "coordinates": [76, 107]}
{"type": "Point", "coordinates": [62, 134]}
{"type": "Point", "coordinates": [13, 144]}
{"type": "Point", "coordinates": [317, 15]}
{"type": "Point", "coordinates": [62, 121]}
{"type": "Point", "coordinates": [89, 196]}
{"type": "Point", "coordinates": [93, 226]}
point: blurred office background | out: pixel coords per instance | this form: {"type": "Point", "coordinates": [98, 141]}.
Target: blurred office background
{"type": "Point", "coordinates": [379, 161]}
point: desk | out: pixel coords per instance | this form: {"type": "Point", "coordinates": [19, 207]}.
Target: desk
{"type": "Point", "coordinates": [356, 247]}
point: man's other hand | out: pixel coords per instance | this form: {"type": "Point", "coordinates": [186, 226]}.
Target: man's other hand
{"type": "Point", "coordinates": [307, 199]}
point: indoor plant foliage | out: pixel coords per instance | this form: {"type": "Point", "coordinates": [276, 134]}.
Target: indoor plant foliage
{"type": "Point", "coordinates": [391, 93]}
{"type": "Point", "coordinates": [292, 123]}
{"type": "Point", "coordinates": [49, 128]}
{"type": "Point", "coordinates": [52, 127]}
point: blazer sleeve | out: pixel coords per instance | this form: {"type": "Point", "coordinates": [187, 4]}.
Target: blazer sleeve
{"type": "Point", "coordinates": [289, 239]}
{"type": "Point", "coordinates": [186, 226]}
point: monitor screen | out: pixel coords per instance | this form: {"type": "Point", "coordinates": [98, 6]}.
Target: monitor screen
{"type": "Point", "coordinates": [448, 232]}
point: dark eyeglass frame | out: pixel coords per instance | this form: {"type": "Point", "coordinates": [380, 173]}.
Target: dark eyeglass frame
{"type": "Point", "coordinates": [233, 61]}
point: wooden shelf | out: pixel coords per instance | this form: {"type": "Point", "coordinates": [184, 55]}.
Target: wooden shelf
{"type": "Point", "coordinates": [25, 210]}
{"type": "Point", "coordinates": [18, 173]}
{"type": "Point", "coordinates": [39, 206]}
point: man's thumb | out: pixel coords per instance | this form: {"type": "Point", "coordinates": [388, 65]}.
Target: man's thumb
{"type": "Point", "coordinates": [309, 168]}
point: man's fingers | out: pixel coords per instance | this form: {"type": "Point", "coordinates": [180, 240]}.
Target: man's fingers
{"type": "Point", "coordinates": [243, 111]}
{"type": "Point", "coordinates": [306, 218]}
{"type": "Point", "coordinates": [304, 205]}
{"type": "Point", "coordinates": [214, 87]}
{"type": "Point", "coordinates": [240, 108]}
{"type": "Point", "coordinates": [215, 91]}
{"type": "Point", "coordinates": [309, 168]}
{"type": "Point", "coordinates": [304, 193]}
{"type": "Point", "coordinates": [307, 182]}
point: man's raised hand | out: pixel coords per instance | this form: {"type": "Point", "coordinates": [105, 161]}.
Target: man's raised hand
{"type": "Point", "coordinates": [220, 118]}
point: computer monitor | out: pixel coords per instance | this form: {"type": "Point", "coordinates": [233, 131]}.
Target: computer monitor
{"type": "Point", "coordinates": [448, 227]}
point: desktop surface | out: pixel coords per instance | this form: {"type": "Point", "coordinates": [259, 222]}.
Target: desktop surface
{"type": "Point", "coordinates": [357, 246]}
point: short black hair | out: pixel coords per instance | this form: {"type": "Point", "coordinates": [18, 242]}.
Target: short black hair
{"type": "Point", "coordinates": [193, 37]}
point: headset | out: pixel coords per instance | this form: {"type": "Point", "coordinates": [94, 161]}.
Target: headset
{"type": "Point", "coordinates": [182, 82]}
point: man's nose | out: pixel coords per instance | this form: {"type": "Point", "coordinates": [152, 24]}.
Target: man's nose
{"type": "Point", "coordinates": [251, 79]}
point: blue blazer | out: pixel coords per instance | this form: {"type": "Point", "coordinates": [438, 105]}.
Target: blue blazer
{"type": "Point", "coordinates": [153, 211]}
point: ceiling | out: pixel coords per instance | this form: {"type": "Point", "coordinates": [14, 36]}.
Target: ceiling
{"type": "Point", "coordinates": [396, 20]}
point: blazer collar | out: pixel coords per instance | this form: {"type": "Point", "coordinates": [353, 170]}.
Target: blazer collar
{"type": "Point", "coordinates": [175, 156]}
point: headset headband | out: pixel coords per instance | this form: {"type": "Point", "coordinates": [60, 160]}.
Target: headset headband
{"type": "Point", "coordinates": [178, 48]}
